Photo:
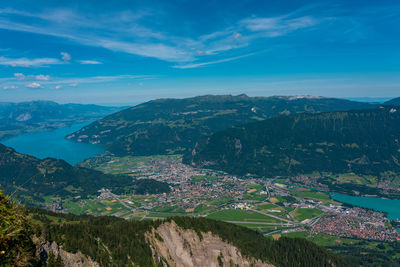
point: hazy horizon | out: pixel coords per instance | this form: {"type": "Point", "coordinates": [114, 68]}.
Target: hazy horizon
{"type": "Point", "coordinates": [121, 104]}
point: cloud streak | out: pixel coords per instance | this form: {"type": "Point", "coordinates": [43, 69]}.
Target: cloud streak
{"type": "Point", "coordinates": [33, 85]}
{"type": "Point", "coordinates": [31, 81]}
{"type": "Point", "coordinates": [196, 65]}
{"type": "Point", "coordinates": [123, 32]}
{"type": "Point", "coordinates": [90, 62]}
{"type": "Point", "coordinates": [278, 26]}
{"type": "Point", "coordinates": [26, 62]}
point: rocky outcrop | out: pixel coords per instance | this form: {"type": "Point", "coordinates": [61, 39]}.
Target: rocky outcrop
{"type": "Point", "coordinates": [178, 247]}
{"type": "Point", "coordinates": [69, 259]}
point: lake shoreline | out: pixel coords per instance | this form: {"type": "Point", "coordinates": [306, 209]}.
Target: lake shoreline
{"type": "Point", "coordinates": [53, 144]}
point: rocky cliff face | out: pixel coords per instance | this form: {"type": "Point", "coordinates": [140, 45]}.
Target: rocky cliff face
{"type": "Point", "coordinates": [175, 246]}
{"type": "Point", "coordinates": [69, 259]}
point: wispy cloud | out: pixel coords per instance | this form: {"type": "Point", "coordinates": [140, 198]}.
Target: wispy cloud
{"type": "Point", "coordinates": [31, 81]}
{"type": "Point", "coordinates": [99, 79]}
{"type": "Point", "coordinates": [196, 65]}
{"type": "Point", "coordinates": [277, 26]}
{"type": "Point", "coordinates": [124, 32]}
{"type": "Point", "coordinates": [90, 62]}
{"type": "Point", "coordinates": [33, 85]}
{"type": "Point", "coordinates": [42, 77]}
{"type": "Point", "coordinates": [65, 56]}
{"type": "Point", "coordinates": [26, 62]}
{"type": "Point", "coordinates": [10, 87]}
{"type": "Point", "coordinates": [19, 76]}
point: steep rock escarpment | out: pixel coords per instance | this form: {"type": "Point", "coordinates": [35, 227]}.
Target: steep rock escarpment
{"type": "Point", "coordinates": [179, 247]}
{"type": "Point", "coordinates": [69, 259]}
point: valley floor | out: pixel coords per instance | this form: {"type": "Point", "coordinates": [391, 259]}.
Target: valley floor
{"type": "Point", "coordinates": [270, 206]}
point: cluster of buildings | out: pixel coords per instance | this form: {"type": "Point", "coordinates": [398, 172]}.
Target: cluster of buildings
{"type": "Point", "coordinates": [191, 187]}
{"type": "Point", "coordinates": [356, 222]}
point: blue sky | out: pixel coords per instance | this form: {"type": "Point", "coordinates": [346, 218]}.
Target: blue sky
{"type": "Point", "coordinates": [121, 52]}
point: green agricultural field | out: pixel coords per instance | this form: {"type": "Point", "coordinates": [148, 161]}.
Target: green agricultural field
{"type": "Point", "coordinates": [164, 215]}
{"type": "Point", "coordinates": [165, 208]}
{"type": "Point", "coordinates": [269, 206]}
{"type": "Point", "coordinates": [256, 186]}
{"type": "Point", "coordinates": [302, 234]}
{"type": "Point", "coordinates": [85, 207]}
{"type": "Point", "coordinates": [122, 165]}
{"type": "Point", "coordinates": [307, 193]}
{"type": "Point", "coordinates": [266, 206]}
{"type": "Point", "coordinates": [241, 215]}
{"type": "Point", "coordinates": [357, 179]}
{"type": "Point", "coordinates": [255, 197]}
{"type": "Point", "coordinates": [261, 227]}
{"type": "Point", "coordinates": [305, 213]}
{"type": "Point", "coordinates": [330, 240]}
{"type": "Point", "coordinates": [220, 201]}
{"type": "Point", "coordinates": [201, 208]}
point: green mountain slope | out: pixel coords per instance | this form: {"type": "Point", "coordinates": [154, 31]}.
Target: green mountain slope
{"type": "Point", "coordinates": [17, 118]}
{"type": "Point", "coordinates": [168, 126]}
{"type": "Point", "coordinates": [34, 179]}
{"type": "Point", "coordinates": [363, 142]}
{"type": "Point", "coordinates": [16, 246]}
{"type": "Point", "coordinates": [393, 102]}
{"type": "Point", "coordinates": [116, 242]}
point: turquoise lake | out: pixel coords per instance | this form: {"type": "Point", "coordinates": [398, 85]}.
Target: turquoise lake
{"type": "Point", "coordinates": [52, 144]}
{"type": "Point", "coordinates": [391, 206]}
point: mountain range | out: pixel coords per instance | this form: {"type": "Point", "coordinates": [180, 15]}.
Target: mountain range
{"type": "Point", "coordinates": [359, 141]}
{"type": "Point", "coordinates": [173, 126]}
{"type": "Point", "coordinates": [393, 102]}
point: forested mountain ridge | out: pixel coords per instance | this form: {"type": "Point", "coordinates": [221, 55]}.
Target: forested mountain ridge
{"type": "Point", "coordinates": [393, 102]}
{"type": "Point", "coordinates": [364, 142]}
{"type": "Point", "coordinates": [34, 179]}
{"type": "Point", "coordinates": [17, 118]}
{"type": "Point", "coordinates": [109, 241]}
{"type": "Point", "coordinates": [170, 126]}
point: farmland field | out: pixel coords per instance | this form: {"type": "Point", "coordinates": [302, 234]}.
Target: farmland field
{"type": "Point", "coordinates": [240, 215]}
{"type": "Point", "coordinates": [305, 213]}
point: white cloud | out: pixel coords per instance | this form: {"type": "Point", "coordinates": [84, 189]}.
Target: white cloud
{"type": "Point", "coordinates": [34, 85]}
{"type": "Point", "coordinates": [100, 79]}
{"type": "Point", "coordinates": [45, 81]}
{"type": "Point", "coordinates": [196, 65]}
{"type": "Point", "coordinates": [65, 56]}
{"type": "Point", "coordinates": [26, 62]}
{"type": "Point", "coordinates": [277, 26]}
{"type": "Point", "coordinates": [122, 32]}
{"type": "Point", "coordinates": [237, 35]}
{"type": "Point", "coordinates": [19, 76]}
{"type": "Point", "coordinates": [90, 62]}
{"type": "Point", "coordinates": [155, 50]}
{"type": "Point", "coordinates": [42, 77]}
{"type": "Point", "coordinates": [8, 87]}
